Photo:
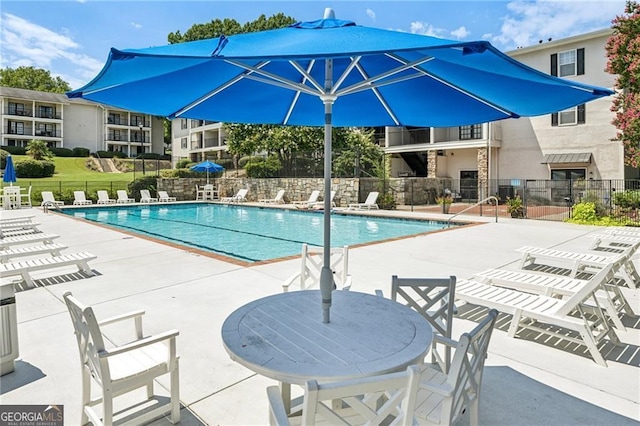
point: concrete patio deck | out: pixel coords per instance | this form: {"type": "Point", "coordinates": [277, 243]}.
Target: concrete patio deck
{"type": "Point", "coordinates": [526, 381]}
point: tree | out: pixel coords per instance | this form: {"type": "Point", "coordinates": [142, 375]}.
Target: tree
{"type": "Point", "coordinates": [38, 150]}
{"type": "Point", "coordinates": [33, 79]}
{"type": "Point", "coordinates": [623, 52]}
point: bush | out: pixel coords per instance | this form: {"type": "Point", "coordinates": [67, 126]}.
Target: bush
{"type": "Point", "coordinates": [145, 182]}
{"type": "Point", "coordinates": [627, 199]}
{"type": "Point", "coordinates": [62, 152]}
{"type": "Point", "coordinates": [15, 150]}
{"type": "Point", "coordinates": [149, 156]}
{"type": "Point", "coordinates": [387, 201]}
{"type": "Point", "coordinates": [263, 168]}
{"type": "Point", "coordinates": [243, 161]}
{"type": "Point", "coordinates": [110, 154]}
{"type": "Point", "coordinates": [3, 158]}
{"type": "Point", "coordinates": [81, 152]}
{"type": "Point", "coordinates": [183, 163]}
{"type": "Point", "coordinates": [35, 168]}
{"type": "Point", "coordinates": [227, 163]}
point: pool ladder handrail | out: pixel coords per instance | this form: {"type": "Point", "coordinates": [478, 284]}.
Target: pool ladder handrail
{"type": "Point", "coordinates": [491, 197]}
{"type": "Point", "coordinates": [48, 205]}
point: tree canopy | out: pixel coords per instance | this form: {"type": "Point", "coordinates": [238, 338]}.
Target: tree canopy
{"type": "Point", "coordinates": [33, 79]}
{"type": "Point", "coordinates": [623, 52]}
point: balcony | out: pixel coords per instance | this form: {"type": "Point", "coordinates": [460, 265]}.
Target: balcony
{"type": "Point", "coordinates": [49, 133]}
{"type": "Point", "coordinates": [18, 113]}
{"type": "Point", "coordinates": [19, 132]}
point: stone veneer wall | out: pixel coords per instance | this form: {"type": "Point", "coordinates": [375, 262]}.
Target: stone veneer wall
{"type": "Point", "coordinates": [406, 191]}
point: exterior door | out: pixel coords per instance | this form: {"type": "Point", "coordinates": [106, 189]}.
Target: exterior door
{"type": "Point", "coordinates": [469, 185]}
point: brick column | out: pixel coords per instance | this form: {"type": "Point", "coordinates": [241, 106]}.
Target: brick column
{"type": "Point", "coordinates": [432, 163]}
{"type": "Point", "coordinates": [483, 173]}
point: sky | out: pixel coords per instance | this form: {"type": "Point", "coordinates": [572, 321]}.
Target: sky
{"type": "Point", "coordinates": [71, 38]}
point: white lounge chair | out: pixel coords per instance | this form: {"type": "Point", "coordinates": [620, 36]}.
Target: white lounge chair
{"type": "Point", "coordinates": [123, 197]}
{"type": "Point", "coordinates": [369, 203]}
{"type": "Point", "coordinates": [241, 196]}
{"type": "Point", "coordinates": [352, 402]}
{"type": "Point", "coordinates": [445, 399]}
{"type": "Point", "coordinates": [18, 232]}
{"type": "Point", "coordinates": [312, 260]}
{"type": "Point", "coordinates": [530, 309]}
{"type": "Point", "coordinates": [605, 241]}
{"type": "Point", "coordinates": [145, 197]}
{"type": "Point", "coordinates": [16, 219]}
{"type": "Point", "coordinates": [48, 198]}
{"type": "Point", "coordinates": [433, 298]}
{"type": "Point", "coordinates": [279, 198]}
{"type": "Point", "coordinates": [79, 199]}
{"type": "Point", "coordinates": [19, 224]}
{"type": "Point", "coordinates": [121, 369]}
{"type": "Point", "coordinates": [315, 194]}
{"type": "Point", "coordinates": [320, 204]}
{"type": "Point", "coordinates": [164, 197]}
{"type": "Point", "coordinates": [11, 253]}
{"type": "Point", "coordinates": [103, 197]}
{"type": "Point", "coordinates": [6, 242]}
{"type": "Point", "coordinates": [582, 262]}
{"type": "Point", "coordinates": [25, 267]}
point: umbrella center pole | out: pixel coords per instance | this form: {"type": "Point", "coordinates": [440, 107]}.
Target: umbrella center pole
{"type": "Point", "coordinates": [326, 275]}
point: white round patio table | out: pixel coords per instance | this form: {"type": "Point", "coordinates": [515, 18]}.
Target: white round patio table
{"type": "Point", "coordinates": [283, 337]}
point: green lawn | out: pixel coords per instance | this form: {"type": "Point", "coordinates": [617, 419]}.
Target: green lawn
{"type": "Point", "coordinates": [75, 169]}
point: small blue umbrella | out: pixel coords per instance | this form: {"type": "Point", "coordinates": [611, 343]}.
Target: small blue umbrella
{"type": "Point", "coordinates": [207, 166]}
{"type": "Point", "coordinates": [9, 172]}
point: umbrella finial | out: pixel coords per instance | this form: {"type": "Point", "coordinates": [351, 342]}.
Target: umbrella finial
{"type": "Point", "coordinates": [329, 13]}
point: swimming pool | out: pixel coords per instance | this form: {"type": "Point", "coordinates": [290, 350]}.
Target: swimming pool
{"type": "Point", "coordinates": [250, 234]}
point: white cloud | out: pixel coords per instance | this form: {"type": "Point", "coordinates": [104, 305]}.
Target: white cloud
{"type": "Point", "coordinates": [371, 14]}
{"type": "Point", "coordinates": [425, 28]}
{"type": "Point", "coordinates": [27, 44]}
{"type": "Point", "coordinates": [461, 33]}
{"type": "Point", "coordinates": [136, 25]}
{"type": "Point", "coordinates": [527, 22]}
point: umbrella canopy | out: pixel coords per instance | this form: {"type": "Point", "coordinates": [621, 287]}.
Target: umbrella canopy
{"type": "Point", "coordinates": [9, 172]}
{"type": "Point", "coordinates": [207, 166]}
{"type": "Point", "coordinates": [331, 72]}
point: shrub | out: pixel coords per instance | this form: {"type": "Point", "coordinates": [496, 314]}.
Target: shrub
{"type": "Point", "coordinates": [183, 163]}
{"type": "Point", "coordinates": [627, 199]}
{"type": "Point", "coordinates": [35, 168]}
{"type": "Point", "coordinates": [243, 161]}
{"type": "Point", "coordinates": [387, 201]}
{"type": "Point", "coordinates": [263, 168]}
{"type": "Point", "coordinates": [15, 150]}
{"type": "Point", "coordinates": [81, 152]}
{"type": "Point", "coordinates": [62, 152]}
{"type": "Point", "coordinates": [584, 212]}
{"type": "Point", "coordinates": [110, 154]}
{"type": "Point", "coordinates": [149, 156]}
{"type": "Point", "coordinates": [227, 163]}
{"type": "Point", "coordinates": [3, 158]}
{"type": "Point", "coordinates": [145, 182]}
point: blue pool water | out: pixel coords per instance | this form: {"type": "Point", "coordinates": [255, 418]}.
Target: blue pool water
{"type": "Point", "coordinates": [250, 234]}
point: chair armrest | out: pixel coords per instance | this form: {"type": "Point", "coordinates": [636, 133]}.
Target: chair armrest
{"type": "Point", "coordinates": [443, 389]}
{"type": "Point", "coordinates": [289, 281]}
{"type": "Point", "coordinates": [438, 338]}
{"type": "Point", "coordinates": [122, 317]}
{"type": "Point", "coordinates": [167, 335]}
{"type": "Point", "coordinates": [277, 412]}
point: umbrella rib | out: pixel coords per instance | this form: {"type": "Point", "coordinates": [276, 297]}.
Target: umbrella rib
{"type": "Point", "coordinates": [354, 61]}
{"type": "Point", "coordinates": [272, 79]}
{"type": "Point", "coordinates": [378, 95]}
{"type": "Point", "coordinates": [306, 75]}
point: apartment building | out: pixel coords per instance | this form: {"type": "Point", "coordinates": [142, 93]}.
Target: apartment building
{"type": "Point", "coordinates": [70, 123]}
{"type": "Point", "coordinates": [572, 144]}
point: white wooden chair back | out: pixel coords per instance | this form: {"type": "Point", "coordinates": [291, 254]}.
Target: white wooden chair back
{"type": "Point", "coordinates": [465, 376]}
{"type": "Point", "coordinates": [311, 266]}
{"type": "Point", "coordinates": [433, 298]}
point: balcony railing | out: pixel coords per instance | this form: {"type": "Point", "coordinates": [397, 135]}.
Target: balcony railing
{"type": "Point", "coordinates": [49, 133]}
{"type": "Point", "coordinates": [51, 115]}
{"type": "Point", "coordinates": [18, 113]}
{"type": "Point", "coordinates": [18, 132]}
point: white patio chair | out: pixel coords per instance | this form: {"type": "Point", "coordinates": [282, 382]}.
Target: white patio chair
{"type": "Point", "coordinates": [589, 324]}
{"type": "Point", "coordinates": [240, 196]}
{"type": "Point", "coordinates": [164, 197]}
{"type": "Point", "coordinates": [369, 400]}
{"type": "Point", "coordinates": [103, 197]}
{"type": "Point", "coordinates": [315, 194]}
{"type": "Point", "coordinates": [320, 204]}
{"type": "Point", "coordinates": [145, 197]}
{"type": "Point", "coordinates": [433, 299]}
{"type": "Point", "coordinates": [47, 197]}
{"type": "Point", "coordinates": [25, 197]}
{"type": "Point", "coordinates": [443, 399]}
{"type": "Point", "coordinates": [312, 260]}
{"type": "Point", "coordinates": [278, 199]}
{"type": "Point", "coordinates": [122, 369]}
{"type": "Point", "coordinates": [369, 203]}
{"type": "Point", "coordinates": [123, 197]}
{"type": "Point", "coordinates": [79, 199]}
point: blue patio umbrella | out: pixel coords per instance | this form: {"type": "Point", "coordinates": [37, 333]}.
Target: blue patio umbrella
{"type": "Point", "coordinates": [9, 175]}
{"type": "Point", "coordinates": [331, 72]}
{"type": "Point", "coordinates": [207, 166]}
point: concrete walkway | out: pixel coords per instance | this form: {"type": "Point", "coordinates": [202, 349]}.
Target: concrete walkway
{"type": "Point", "coordinates": [526, 381]}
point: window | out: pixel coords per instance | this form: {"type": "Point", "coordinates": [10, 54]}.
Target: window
{"type": "Point", "coordinates": [571, 116]}
{"type": "Point", "coordinates": [184, 143]}
{"type": "Point", "coordinates": [113, 118]}
{"type": "Point", "coordinates": [568, 174]}
{"type": "Point", "coordinates": [45, 130]}
{"type": "Point", "coordinates": [470, 132]}
{"type": "Point", "coordinates": [568, 63]}
{"type": "Point", "coordinates": [16, 109]}
{"type": "Point", "coordinates": [183, 123]}
{"type": "Point", "coordinates": [137, 120]}
{"type": "Point", "coordinates": [16, 128]}
{"type": "Point", "coordinates": [45, 111]}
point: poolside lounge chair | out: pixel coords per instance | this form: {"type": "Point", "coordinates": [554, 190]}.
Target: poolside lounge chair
{"type": "Point", "coordinates": [606, 241]}
{"type": "Point", "coordinates": [103, 197]}
{"type": "Point", "coordinates": [6, 242]}
{"type": "Point", "coordinates": [25, 267]}
{"type": "Point", "coordinates": [47, 197]}
{"type": "Point", "coordinates": [79, 199]}
{"type": "Point", "coordinates": [11, 253]}
{"type": "Point", "coordinates": [123, 197]}
{"type": "Point", "coordinates": [121, 369]}
{"type": "Point", "coordinates": [145, 197]}
{"type": "Point", "coordinates": [582, 262]}
{"type": "Point", "coordinates": [312, 259]}
{"type": "Point", "coordinates": [320, 204]}
{"type": "Point", "coordinates": [163, 197]}
{"type": "Point", "coordinates": [315, 194]}
{"type": "Point", "coordinates": [240, 196]}
{"type": "Point", "coordinates": [279, 198]}
{"type": "Point", "coordinates": [15, 219]}
{"type": "Point", "coordinates": [18, 224]}
{"type": "Point", "coordinates": [535, 312]}
{"type": "Point", "coordinates": [445, 399]}
{"type": "Point", "coordinates": [352, 402]}
{"type": "Point", "coordinates": [369, 203]}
